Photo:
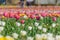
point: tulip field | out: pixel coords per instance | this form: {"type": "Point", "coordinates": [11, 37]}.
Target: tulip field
{"type": "Point", "coordinates": [29, 25]}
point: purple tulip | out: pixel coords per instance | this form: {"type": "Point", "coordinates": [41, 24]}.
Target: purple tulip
{"type": "Point", "coordinates": [37, 17]}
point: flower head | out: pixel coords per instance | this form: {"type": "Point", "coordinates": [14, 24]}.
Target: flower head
{"type": "Point", "coordinates": [39, 27]}
{"type": "Point", "coordinates": [11, 15]}
{"type": "Point", "coordinates": [9, 38]}
{"type": "Point", "coordinates": [25, 17]}
{"type": "Point", "coordinates": [1, 29]}
{"type": "Point", "coordinates": [37, 17]}
{"type": "Point", "coordinates": [43, 14]}
{"type": "Point", "coordinates": [54, 18]}
{"type": "Point", "coordinates": [3, 23]}
{"type": "Point", "coordinates": [22, 21]}
{"type": "Point", "coordinates": [23, 33]}
{"type": "Point", "coordinates": [30, 38]}
{"type": "Point", "coordinates": [2, 37]}
{"type": "Point", "coordinates": [29, 28]}
{"type": "Point", "coordinates": [54, 25]}
{"type": "Point", "coordinates": [44, 30]}
{"type": "Point", "coordinates": [57, 37]}
{"type": "Point", "coordinates": [49, 34]}
{"type": "Point", "coordinates": [6, 14]}
{"type": "Point", "coordinates": [38, 37]}
{"type": "Point", "coordinates": [17, 16]}
{"type": "Point", "coordinates": [32, 16]}
{"type": "Point", "coordinates": [15, 35]}
{"type": "Point", "coordinates": [18, 24]}
{"type": "Point", "coordinates": [44, 37]}
{"type": "Point", "coordinates": [36, 24]}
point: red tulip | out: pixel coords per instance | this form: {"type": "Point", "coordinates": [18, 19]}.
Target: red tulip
{"type": "Point", "coordinates": [32, 16]}
{"type": "Point", "coordinates": [37, 17]}
{"type": "Point", "coordinates": [43, 14]}
{"type": "Point", "coordinates": [54, 18]}
{"type": "Point", "coordinates": [17, 16]}
{"type": "Point", "coordinates": [22, 21]}
{"type": "Point", "coordinates": [18, 12]}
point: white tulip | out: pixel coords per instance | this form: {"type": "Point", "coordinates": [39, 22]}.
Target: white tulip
{"type": "Point", "coordinates": [18, 24]}
{"type": "Point", "coordinates": [39, 27]}
{"type": "Point", "coordinates": [1, 29]}
{"type": "Point", "coordinates": [44, 36]}
{"type": "Point", "coordinates": [44, 30]}
{"type": "Point", "coordinates": [41, 17]}
{"type": "Point", "coordinates": [8, 36]}
{"type": "Point", "coordinates": [49, 34]}
{"type": "Point", "coordinates": [50, 38]}
{"type": "Point", "coordinates": [29, 28]}
{"type": "Point", "coordinates": [36, 24]}
{"type": "Point", "coordinates": [57, 37]}
{"type": "Point", "coordinates": [38, 37]}
{"type": "Point", "coordinates": [23, 33]}
{"type": "Point", "coordinates": [53, 25]}
{"type": "Point", "coordinates": [25, 17]}
{"type": "Point", "coordinates": [3, 23]}
{"type": "Point", "coordinates": [15, 35]}
{"type": "Point", "coordinates": [30, 38]}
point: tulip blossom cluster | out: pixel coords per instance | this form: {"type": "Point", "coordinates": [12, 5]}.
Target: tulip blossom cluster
{"type": "Point", "coordinates": [33, 26]}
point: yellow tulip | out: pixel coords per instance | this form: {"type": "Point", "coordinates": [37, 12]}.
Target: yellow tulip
{"type": "Point", "coordinates": [44, 38]}
{"type": "Point", "coordinates": [21, 14]}
{"type": "Point", "coordinates": [3, 17]}
{"type": "Point", "coordinates": [9, 38]}
{"type": "Point", "coordinates": [2, 38]}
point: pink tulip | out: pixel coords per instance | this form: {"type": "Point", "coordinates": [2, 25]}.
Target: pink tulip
{"type": "Point", "coordinates": [58, 12]}
{"type": "Point", "coordinates": [22, 21]}
{"type": "Point", "coordinates": [43, 14]}
{"type": "Point", "coordinates": [11, 15]}
{"type": "Point", "coordinates": [54, 18]}
{"type": "Point", "coordinates": [6, 14]}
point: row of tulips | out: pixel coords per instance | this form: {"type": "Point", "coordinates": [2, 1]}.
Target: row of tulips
{"type": "Point", "coordinates": [32, 15]}
{"type": "Point", "coordinates": [33, 26]}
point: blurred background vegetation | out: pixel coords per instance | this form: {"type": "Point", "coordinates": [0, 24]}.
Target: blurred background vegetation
{"type": "Point", "coordinates": [35, 2]}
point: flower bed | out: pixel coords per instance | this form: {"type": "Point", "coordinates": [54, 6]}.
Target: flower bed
{"type": "Point", "coordinates": [33, 26]}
